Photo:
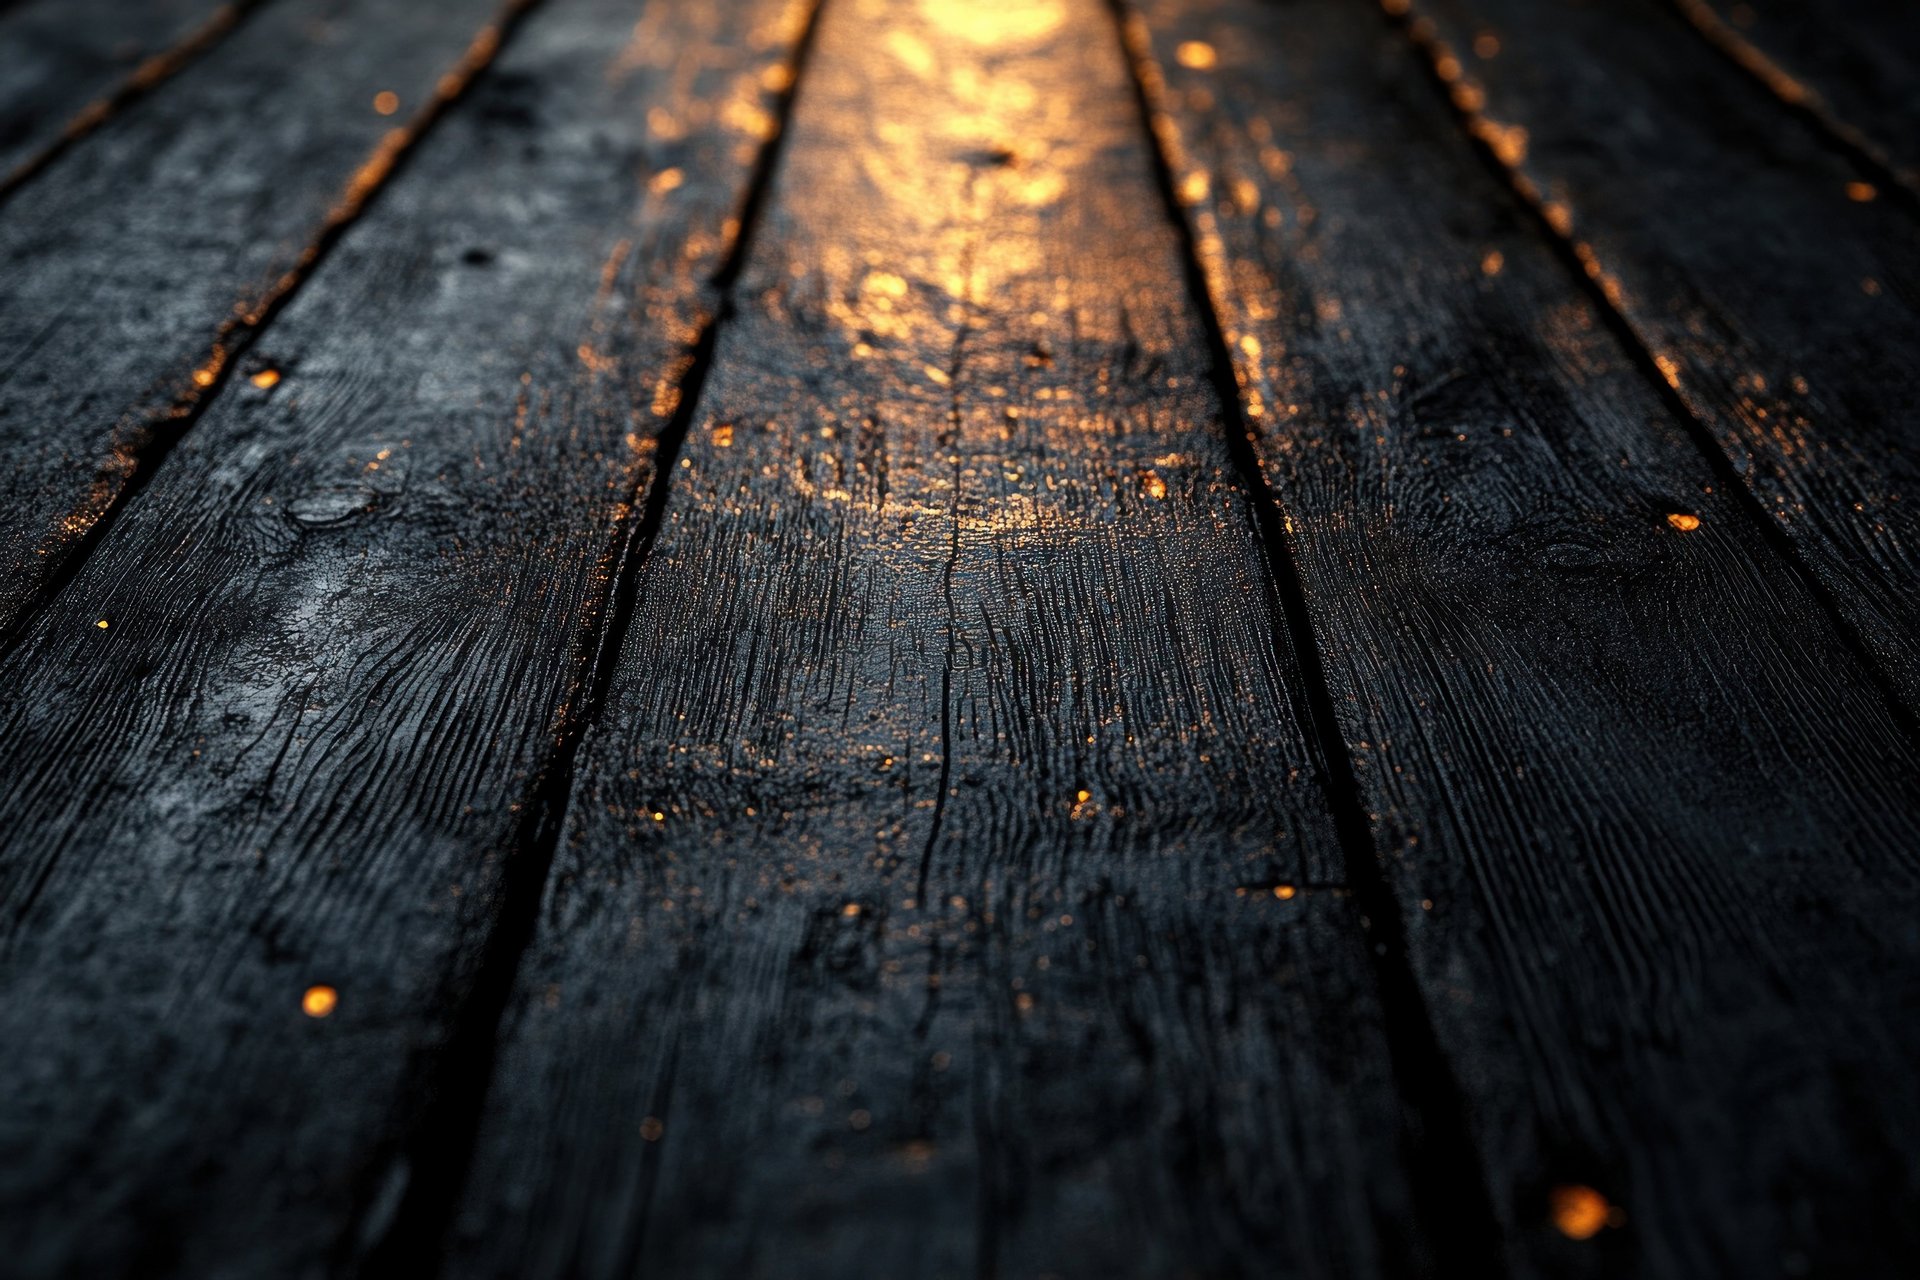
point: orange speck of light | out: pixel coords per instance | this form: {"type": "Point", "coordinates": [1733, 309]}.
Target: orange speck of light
{"type": "Point", "coordinates": [1486, 45]}
{"type": "Point", "coordinates": [1684, 522]}
{"type": "Point", "coordinates": [319, 1001]}
{"type": "Point", "coordinates": [102, 624]}
{"type": "Point", "coordinates": [1196, 54]}
{"type": "Point", "coordinates": [266, 378]}
{"type": "Point", "coordinates": [1581, 1212]}
{"type": "Point", "coordinates": [203, 377]}
{"type": "Point", "coordinates": [1493, 262]}
{"type": "Point", "coordinates": [1154, 485]}
{"type": "Point", "coordinates": [386, 102]}
{"type": "Point", "coordinates": [851, 910]}
{"type": "Point", "coordinates": [1284, 891]}
{"type": "Point", "coordinates": [1861, 192]}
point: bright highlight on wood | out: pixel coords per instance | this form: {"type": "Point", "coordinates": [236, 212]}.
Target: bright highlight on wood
{"type": "Point", "coordinates": [1581, 1213]}
{"type": "Point", "coordinates": [319, 1001]}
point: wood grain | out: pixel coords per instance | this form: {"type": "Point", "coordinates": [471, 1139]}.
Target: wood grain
{"type": "Point", "coordinates": [137, 269]}
{"type": "Point", "coordinates": [284, 727]}
{"type": "Point", "coordinates": [1651, 824]}
{"type": "Point", "coordinates": [66, 64]}
{"type": "Point", "coordinates": [918, 910]}
{"type": "Point", "coordinates": [1771, 291]}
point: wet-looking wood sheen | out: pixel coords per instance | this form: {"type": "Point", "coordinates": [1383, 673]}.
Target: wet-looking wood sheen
{"type": "Point", "coordinates": [946, 638]}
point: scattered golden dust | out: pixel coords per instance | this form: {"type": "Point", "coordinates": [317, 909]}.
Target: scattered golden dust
{"type": "Point", "coordinates": [1580, 1213]}
{"type": "Point", "coordinates": [1154, 485]}
{"type": "Point", "coordinates": [386, 102]}
{"type": "Point", "coordinates": [1508, 141]}
{"type": "Point", "coordinates": [1683, 522]}
{"type": "Point", "coordinates": [1196, 55]}
{"type": "Point", "coordinates": [319, 1001]}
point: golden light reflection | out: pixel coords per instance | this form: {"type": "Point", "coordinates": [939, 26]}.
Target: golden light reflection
{"type": "Point", "coordinates": [993, 24]}
{"type": "Point", "coordinates": [1683, 522]}
{"type": "Point", "coordinates": [1581, 1213]}
{"type": "Point", "coordinates": [1196, 55]}
{"type": "Point", "coordinates": [266, 379]}
{"type": "Point", "coordinates": [386, 102]}
{"type": "Point", "coordinates": [319, 1001]}
{"type": "Point", "coordinates": [1861, 192]}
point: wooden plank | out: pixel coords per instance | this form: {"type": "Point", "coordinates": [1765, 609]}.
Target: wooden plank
{"type": "Point", "coordinates": [917, 913]}
{"type": "Point", "coordinates": [67, 65]}
{"type": "Point", "coordinates": [136, 270]}
{"type": "Point", "coordinates": [1762, 280]}
{"type": "Point", "coordinates": [291, 724]}
{"type": "Point", "coordinates": [1652, 824]}
{"type": "Point", "coordinates": [1853, 66]}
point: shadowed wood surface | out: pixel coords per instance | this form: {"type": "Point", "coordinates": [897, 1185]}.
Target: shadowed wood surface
{"type": "Point", "coordinates": [918, 900]}
{"type": "Point", "coordinates": [1553, 695]}
{"type": "Point", "coordinates": [65, 63]}
{"type": "Point", "coordinates": [1772, 290]}
{"type": "Point", "coordinates": [1853, 65]}
{"type": "Point", "coordinates": [928, 637]}
{"type": "Point", "coordinates": [343, 630]}
{"type": "Point", "coordinates": [137, 269]}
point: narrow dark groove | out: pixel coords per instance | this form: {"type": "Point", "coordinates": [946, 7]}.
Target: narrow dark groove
{"type": "Point", "coordinates": [1445, 1173]}
{"type": "Point", "coordinates": [1802, 100]}
{"type": "Point", "coordinates": [1427, 49]}
{"type": "Point", "coordinates": [953, 622]}
{"type": "Point", "coordinates": [452, 1079]}
{"type": "Point", "coordinates": [167, 426]}
{"type": "Point", "coordinates": [152, 72]}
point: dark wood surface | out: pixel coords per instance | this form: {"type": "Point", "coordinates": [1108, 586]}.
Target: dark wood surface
{"type": "Point", "coordinates": [1167, 637]}
{"type": "Point", "coordinates": [68, 66]}
{"type": "Point", "coordinates": [138, 269]}
{"type": "Point", "coordinates": [1546, 686]}
{"type": "Point", "coordinates": [1851, 66]}
{"type": "Point", "coordinates": [1755, 274]}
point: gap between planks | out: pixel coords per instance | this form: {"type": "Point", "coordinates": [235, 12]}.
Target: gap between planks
{"type": "Point", "coordinates": [152, 72]}
{"type": "Point", "coordinates": [1447, 1181]}
{"type": "Point", "coordinates": [1435, 57]}
{"type": "Point", "coordinates": [236, 336]}
{"type": "Point", "coordinates": [1802, 99]}
{"type": "Point", "coordinates": [439, 1152]}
